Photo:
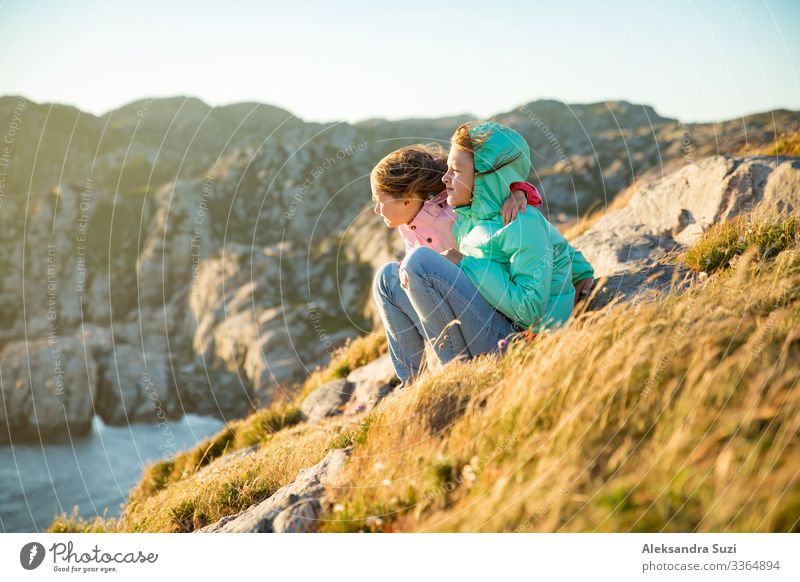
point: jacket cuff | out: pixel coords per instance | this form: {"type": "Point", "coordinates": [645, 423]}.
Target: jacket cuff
{"type": "Point", "coordinates": [530, 190]}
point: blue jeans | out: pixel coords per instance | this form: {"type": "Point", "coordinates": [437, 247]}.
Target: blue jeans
{"type": "Point", "coordinates": [441, 306]}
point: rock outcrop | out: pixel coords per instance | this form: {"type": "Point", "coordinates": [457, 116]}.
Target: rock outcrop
{"type": "Point", "coordinates": [135, 386]}
{"type": "Point", "coordinates": [327, 400]}
{"type": "Point", "coordinates": [294, 507]}
{"type": "Point", "coordinates": [371, 383]}
{"type": "Point", "coordinates": [640, 284]}
{"type": "Point", "coordinates": [51, 389]}
{"type": "Point", "coordinates": [673, 212]}
{"type": "Point", "coordinates": [359, 392]}
{"type": "Point", "coordinates": [48, 390]}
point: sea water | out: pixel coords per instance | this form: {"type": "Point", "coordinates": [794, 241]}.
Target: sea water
{"type": "Point", "coordinates": [95, 472]}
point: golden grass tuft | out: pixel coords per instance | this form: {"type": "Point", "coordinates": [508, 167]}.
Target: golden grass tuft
{"type": "Point", "coordinates": [73, 524]}
{"type": "Point", "coordinates": [257, 428]}
{"type": "Point", "coordinates": [727, 240]}
{"type": "Point", "coordinates": [787, 144]}
{"type": "Point", "coordinates": [354, 354]}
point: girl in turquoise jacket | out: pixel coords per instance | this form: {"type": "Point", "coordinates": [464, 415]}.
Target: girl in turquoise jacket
{"type": "Point", "coordinates": [524, 269]}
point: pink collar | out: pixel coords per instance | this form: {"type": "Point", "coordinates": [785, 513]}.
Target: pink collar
{"type": "Point", "coordinates": [430, 211]}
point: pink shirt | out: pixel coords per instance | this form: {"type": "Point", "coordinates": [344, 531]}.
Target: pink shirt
{"type": "Point", "coordinates": [433, 225]}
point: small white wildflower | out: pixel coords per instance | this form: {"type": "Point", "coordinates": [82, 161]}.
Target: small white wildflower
{"type": "Point", "coordinates": [378, 467]}
{"type": "Point", "coordinates": [386, 482]}
{"type": "Point", "coordinates": [374, 521]}
{"type": "Point", "coordinates": [469, 475]}
{"type": "Point", "coordinates": [338, 508]}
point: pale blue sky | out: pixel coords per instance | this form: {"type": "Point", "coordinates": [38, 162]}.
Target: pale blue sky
{"type": "Point", "coordinates": [692, 59]}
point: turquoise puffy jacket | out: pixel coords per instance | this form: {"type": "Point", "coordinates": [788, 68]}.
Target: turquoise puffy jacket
{"type": "Point", "coordinates": [525, 270]}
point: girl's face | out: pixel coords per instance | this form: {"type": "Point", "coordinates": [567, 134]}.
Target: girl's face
{"type": "Point", "coordinates": [394, 211]}
{"type": "Point", "coordinates": [460, 177]}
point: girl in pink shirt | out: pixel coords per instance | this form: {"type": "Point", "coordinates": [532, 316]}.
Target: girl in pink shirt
{"type": "Point", "coordinates": [407, 191]}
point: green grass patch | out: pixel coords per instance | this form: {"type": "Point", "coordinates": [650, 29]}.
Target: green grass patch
{"type": "Point", "coordinates": [732, 238]}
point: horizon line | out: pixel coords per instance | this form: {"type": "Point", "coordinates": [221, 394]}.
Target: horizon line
{"type": "Point", "coordinates": [387, 119]}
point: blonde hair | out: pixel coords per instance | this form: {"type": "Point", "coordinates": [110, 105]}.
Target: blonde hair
{"type": "Point", "coordinates": [461, 137]}
{"type": "Point", "coordinates": [411, 170]}
{"type": "Point", "coordinates": [468, 140]}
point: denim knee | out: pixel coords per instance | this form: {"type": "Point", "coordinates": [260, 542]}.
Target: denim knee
{"type": "Point", "coordinates": [385, 278]}
{"type": "Point", "coordinates": [417, 259]}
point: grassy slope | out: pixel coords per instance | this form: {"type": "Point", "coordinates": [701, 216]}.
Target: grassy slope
{"type": "Point", "coordinates": [677, 415]}
{"type": "Point", "coordinates": [680, 414]}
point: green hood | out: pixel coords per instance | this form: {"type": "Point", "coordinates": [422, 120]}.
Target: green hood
{"type": "Point", "coordinates": [490, 190]}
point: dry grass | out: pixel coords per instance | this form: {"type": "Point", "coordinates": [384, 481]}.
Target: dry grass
{"type": "Point", "coordinates": [257, 428]}
{"type": "Point", "coordinates": [727, 240]}
{"type": "Point", "coordinates": [677, 415]}
{"type": "Point", "coordinates": [680, 414]}
{"type": "Point", "coordinates": [352, 355]}
{"type": "Point", "coordinates": [225, 487]}
{"type": "Point", "coordinates": [783, 145]}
